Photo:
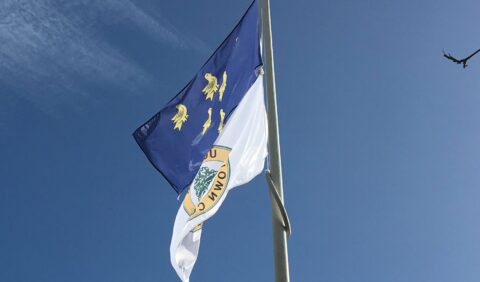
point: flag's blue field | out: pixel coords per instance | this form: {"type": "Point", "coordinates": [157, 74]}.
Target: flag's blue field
{"type": "Point", "coordinates": [380, 139]}
{"type": "Point", "coordinates": [177, 150]}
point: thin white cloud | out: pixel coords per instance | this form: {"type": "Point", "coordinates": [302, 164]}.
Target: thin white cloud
{"type": "Point", "coordinates": [114, 11]}
{"type": "Point", "coordinates": [52, 46]}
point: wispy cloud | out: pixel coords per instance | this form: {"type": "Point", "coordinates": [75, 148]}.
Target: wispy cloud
{"type": "Point", "coordinates": [49, 50]}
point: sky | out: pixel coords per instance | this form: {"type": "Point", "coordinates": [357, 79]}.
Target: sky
{"type": "Point", "coordinates": [379, 136]}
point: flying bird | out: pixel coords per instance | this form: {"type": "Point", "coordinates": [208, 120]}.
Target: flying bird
{"type": "Point", "coordinates": [462, 61]}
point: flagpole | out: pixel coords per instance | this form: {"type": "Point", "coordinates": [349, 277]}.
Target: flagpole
{"type": "Point", "coordinates": [280, 223]}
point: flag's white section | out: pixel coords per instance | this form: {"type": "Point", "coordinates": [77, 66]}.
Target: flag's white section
{"type": "Point", "coordinates": [246, 135]}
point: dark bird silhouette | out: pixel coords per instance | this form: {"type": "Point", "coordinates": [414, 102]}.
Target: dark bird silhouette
{"type": "Point", "coordinates": [462, 61]}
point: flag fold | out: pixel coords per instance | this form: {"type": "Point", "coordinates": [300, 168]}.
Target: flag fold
{"type": "Point", "coordinates": [237, 156]}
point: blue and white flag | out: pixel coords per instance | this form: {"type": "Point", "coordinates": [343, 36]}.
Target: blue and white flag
{"type": "Point", "coordinates": [212, 136]}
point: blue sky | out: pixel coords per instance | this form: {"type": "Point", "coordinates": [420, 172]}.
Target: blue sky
{"type": "Point", "coordinates": [379, 135]}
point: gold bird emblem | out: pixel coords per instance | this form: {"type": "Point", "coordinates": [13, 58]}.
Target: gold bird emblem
{"type": "Point", "coordinates": [180, 117]}
{"type": "Point", "coordinates": [211, 87]}
{"type": "Point", "coordinates": [222, 118]}
{"type": "Point", "coordinates": [223, 86]}
{"type": "Point", "coordinates": [207, 124]}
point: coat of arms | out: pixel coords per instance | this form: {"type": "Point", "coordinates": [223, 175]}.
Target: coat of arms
{"type": "Point", "coordinates": [202, 181]}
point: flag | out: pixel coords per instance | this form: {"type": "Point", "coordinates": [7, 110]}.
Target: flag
{"type": "Point", "coordinates": [211, 137]}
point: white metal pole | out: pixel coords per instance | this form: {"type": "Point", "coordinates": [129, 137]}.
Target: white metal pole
{"type": "Point", "coordinates": [279, 219]}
